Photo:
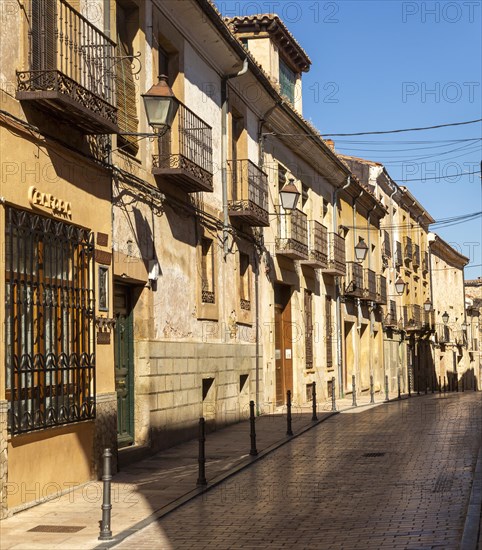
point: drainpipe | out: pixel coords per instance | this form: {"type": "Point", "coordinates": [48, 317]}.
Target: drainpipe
{"type": "Point", "coordinates": [337, 295]}
{"type": "Point", "coordinates": [224, 151]}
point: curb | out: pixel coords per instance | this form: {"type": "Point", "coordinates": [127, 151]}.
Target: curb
{"type": "Point", "coordinates": [473, 520]}
{"type": "Point", "coordinates": [184, 499]}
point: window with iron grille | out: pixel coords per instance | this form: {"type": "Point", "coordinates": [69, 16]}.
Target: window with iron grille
{"type": "Point", "coordinates": [308, 329]}
{"type": "Point", "coordinates": [207, 271]}
{"type": "Point", "coordinates": [244, 281]}
{"type": "Point", "coordinates": [328, 333]}
{"type": "Point", "coordinates": [50, 350]}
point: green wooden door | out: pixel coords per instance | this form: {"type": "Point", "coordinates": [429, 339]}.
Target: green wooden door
{"type": "Point", "coordinates": [124, 365]}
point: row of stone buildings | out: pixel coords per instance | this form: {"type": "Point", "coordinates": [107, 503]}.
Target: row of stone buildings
{"type": "Point", "coordinates": [155, 277]}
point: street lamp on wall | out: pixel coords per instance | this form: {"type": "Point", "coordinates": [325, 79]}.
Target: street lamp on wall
{"type": "Point", "coordinates": [445, 318]}
{"type": "Point", "coordinates": [161, 105]}
{"type": "Point", "coordinates": [400, 286]}
{"type": "Point", "coordinates": [289, 195]}
{"type": "Point", "coordinates": [361, 250]}
{"type": "Point", "coordinates": [427, 305]}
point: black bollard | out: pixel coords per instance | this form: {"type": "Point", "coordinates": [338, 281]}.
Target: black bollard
{"type": "Point", "coordinates": [201, 479]}
{"type": "Point", "coordinates": [252, 419]}
{"type": "Point", "coordinates": [353, 387]}
{"type": "Point", "coordinates": [409, 385]}
{"type": "Point", "coordinates": [333, 394]}
{"type": "Point", "coordinates": [440, 384]}
{"type": "Point", "coordinates": [386, 389]}
{"type": "Point", "coordinates": [399, 386]}
{"type": "Point", "coordinates": [418, 383]}
{"type": "Point", "coordinates": [314, 417]}
{"type": "Point", "coordinates": [372, 393]}
{"type": "Point", "coordinates": [445, 384]}
{"type": "Point", "coordinates": [105, 530]}
{"type": "Point", "coordinates": [289, 431]}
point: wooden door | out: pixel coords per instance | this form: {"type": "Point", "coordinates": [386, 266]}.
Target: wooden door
{"type": "Point", "coordinates": [124, 365]}
{"type": "Point", "coordinates": [283, 343]}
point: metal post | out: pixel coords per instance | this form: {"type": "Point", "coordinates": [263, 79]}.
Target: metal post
{"type": "Point", "coordinates": [372, 393]}
{"type": "Point", "coordinates": [386, 388]}
{"type": "Point", "coordinates": [105, 531]}
{"type": "Point", "coordinates": [440, 384]}
{"type": "Point", "coordinates": [456, 382]}
{"type": "Point", "coordinates": [425, 382]}
{"type": "Point", "coordinates": [314, 417]}
{"type": "Point", "coordinates": [333, 394]}
{"type": "Point", "coordinates": [418, 381]}
{"type": "Point", "coordinates": [409, 385]}
{"type": "Point", "coordinates": [252, 420]}
{"type": "Point", "coordinates": [201, 479]}
{"type": "Point", "coordinates": [289, 431]}
{"type": "Point", "coordinates": [353, 388]}
{"type": "Point", "coordinates": [399, 386]}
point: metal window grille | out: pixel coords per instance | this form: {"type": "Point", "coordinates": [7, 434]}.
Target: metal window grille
{"type": "Point", "coordinates": [50, 349]}
{"type": "Point", "coordinates": [207, 272]}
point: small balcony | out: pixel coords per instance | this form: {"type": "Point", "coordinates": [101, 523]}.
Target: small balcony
{"type": "Point", "coordinates": [186, 153]}
{"type": "Point", "coordinates": [370, 284]}
{"type": "Point", "coordinates": [292, 240]}
{"type": "Point", "coordinates": [412, 317]}
{"type": "Point", "coordinates": [416, 256]}
{"type": "Point", "coordinates": [336, 264]}
{"type": "Point", "coordinates": [248, 193]}
{"type": "Point", "coordinates": [398, 254]}
{"type": "Point", "coordinates": [381, 289]}
{"type": "Point", "coordinates": [317, 245]}
{"type": "Point", "coordinates": [354, 284]}
{"type": "Point", "coordinates": [443, 334]}
{"type": "Point", "coordinates": [71, 68]}
{"type": "Point", "coordinates": [390, 318]}
{"type": "Point", "coordinates": [408, 249]}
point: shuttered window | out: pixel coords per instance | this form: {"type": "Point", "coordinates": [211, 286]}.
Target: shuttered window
{"type": "Point", "coordinates": [308, 329]}
{"type": "Point", "coordinates": [127, 23]}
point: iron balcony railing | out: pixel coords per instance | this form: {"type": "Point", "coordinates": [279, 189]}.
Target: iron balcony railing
{"type": "Point", "coordinates": [292, 240]}
{"type": "Point", "coordinates": [416, 255]}
{"type": "Point", "coordinates": [317, 245]}
{"type": "Point", "coordinates": [390, 317]}
{"type": "Point", "coordinates": [408, 249]}
{"type": "Point", "coordinates": [71, 62]}
{"type": "Point", "coordinates": [442, 332]}
{"type": "Point", "coordinates": [381, 289]}
{"type": "Point", "coordinates": [186, 152]}
{"type": "Point", "coordinates": [398, 254]}
{"type": "Point", "coordinates": [412, 317]}
{"type": "Point", "coordinates": [429, 318]}
{"type": "Point", "coordinates": [386, 245]}
{"type": "Point", "coordinates": [425, 260]}
{"type": "Point", "coordinates": [248, 193]}
{"type": "Point", "coordinates": [336, 255]}
{"type": "Point", "coordinates": [370, 284]}
{"type": "Point", "coordinates": [354, 281]}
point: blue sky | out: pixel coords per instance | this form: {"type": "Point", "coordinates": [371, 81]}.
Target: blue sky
{"type": "Point", "coordinates": [390, 64]}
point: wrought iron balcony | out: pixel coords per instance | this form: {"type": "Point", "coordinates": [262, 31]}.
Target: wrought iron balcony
{"type": "Point", "coordinates": [390, 318]}
{"type": "Point", "coordinates": [398, 254]}
{"type": "Point", "coordinates": [370, 284]}
{"type": "Point", "coordinates": [292, 240]}
{"type": "Point", "coordinates": [416, 256]}
{"type": "Point", "coordinates": [317, 245]}
{"type": "Point", "coordinates": [71, 68]}
{"type": "Point", "coordinates": [408, 249]}
{"type": "Point", "coordinates": [354, 284]}
{"type": "Point", "coordinates": [442, 334]}
{"type": "Point", "coordinates": [381, 289]}
{"type": "Point", "coordinates": [412, 317]}
{"type": "Point", "coordinates": [425, 262]}
{"type": "Point", "coordinates": [248, 193]}
{"type": "Point", "coordinates": [429, 319]}
{"type": "Point", "coordinates": [336, 255]}
{"type": "Point", "coordinates": [186, 153]}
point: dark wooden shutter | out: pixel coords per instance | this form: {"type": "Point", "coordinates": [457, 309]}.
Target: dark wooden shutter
{"type": "Point", "coordinates": [308, 329]}
{"type": "Point", "coordinates": [328, 333]}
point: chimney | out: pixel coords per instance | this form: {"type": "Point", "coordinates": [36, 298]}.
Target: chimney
{"type": "Point", "coordinates": [331, 144]}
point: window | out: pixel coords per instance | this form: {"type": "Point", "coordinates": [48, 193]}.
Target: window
{"type": "Point", "coordinates": [50, 355]}
{"type": "Point", "coordinates": [308, 329]}
{"type": "Point", "coordinates": [328, 333]}
{"type": "Point", "coordinates": [127, 26]}
{"type": "Point", "coordinates": [244, 282]}
{"type": "Point", "coordinates": [207, 271]}
{"type": "Point", "coordinates": [287, 81]}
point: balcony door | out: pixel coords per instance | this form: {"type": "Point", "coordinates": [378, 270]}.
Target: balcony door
{"type": "Point", "coordinates": [124, 365]}
{"type": "Point", "coordinates": [283, 343]}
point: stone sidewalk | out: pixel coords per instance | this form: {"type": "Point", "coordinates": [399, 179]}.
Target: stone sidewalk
{"type": "Point", "coordinates": [150, 488]}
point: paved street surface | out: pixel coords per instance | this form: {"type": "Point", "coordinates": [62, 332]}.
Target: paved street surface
{"type": "Point", "coordinates": [317, 490]}
{"type": "Point", "coordinates": [394, 476]}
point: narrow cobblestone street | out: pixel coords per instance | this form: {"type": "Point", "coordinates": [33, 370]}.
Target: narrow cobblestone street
{"type": "Point", "coordinates": [394, 476]}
